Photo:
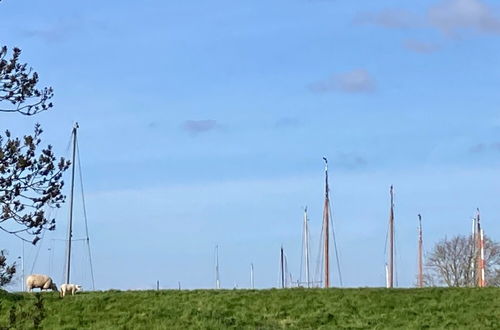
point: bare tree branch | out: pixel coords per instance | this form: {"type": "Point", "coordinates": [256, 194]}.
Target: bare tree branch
{"type": "Point", "coordinates": [451, 262]}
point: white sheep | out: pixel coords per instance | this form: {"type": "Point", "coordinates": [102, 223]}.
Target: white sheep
{"type": "Point", "coordinates": [43, 282]}
{"type": "Point", "coordinates": [70, 288]}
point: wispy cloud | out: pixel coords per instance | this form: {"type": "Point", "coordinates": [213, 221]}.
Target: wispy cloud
{"type": "Point", "coordinates": [485, 147]}
{"type": "Point", "coordinates": [355, 81]}
{"type": "Point", "coordinates": [350, 160]}
{"type": "Point", "coordinates": [420, 46]}
{"type": "Point", "coordinates": [62, 29]}
{"type": "Point", "coordinates": [451, 17]}
{"type": "Point", "coordinates": [195, 127]}
{"type": "Point", "coordinates": [50, 34]}
{"type": "Point", "coordinates": [287, 122]}
{"type": "Point", "coordinates": [454, 16]}
{"type": "Point", "coordinates": [388, 18]}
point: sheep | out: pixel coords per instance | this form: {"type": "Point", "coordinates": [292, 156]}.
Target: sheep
{"type": "Point", "coordinates": [70, 288]}
{"type": "Point", "coordinates": [43, 282]}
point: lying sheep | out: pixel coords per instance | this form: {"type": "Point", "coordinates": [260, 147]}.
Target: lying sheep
{"type": "Point", "coordinates": [43, 282]}
{"type": "Point", "coordinates": [70, 288]}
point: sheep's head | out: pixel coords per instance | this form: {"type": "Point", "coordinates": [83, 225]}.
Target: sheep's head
{"type": "Point", "coordinates": [53, 287]}
{"type": "Point", "coordinates": [78, 288]}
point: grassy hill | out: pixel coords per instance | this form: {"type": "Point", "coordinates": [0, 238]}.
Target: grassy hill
{"type": "Point", "coordinates": [365, 308]}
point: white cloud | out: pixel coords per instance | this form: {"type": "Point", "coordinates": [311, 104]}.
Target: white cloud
{"type": "Point", "coordinates": [454, 16]}
{"type": "Point", "coordinates": [355, 81]}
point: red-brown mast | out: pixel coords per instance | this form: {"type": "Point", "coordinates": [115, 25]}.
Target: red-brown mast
{"type": "Point", "coordinates": [479, 243]}
{"type": "Point", "coordinates": [326, 222]}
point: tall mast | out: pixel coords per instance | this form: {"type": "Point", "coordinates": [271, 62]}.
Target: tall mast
{"type": "Point", "coordinates": [420, 254]}
{"type": "Point", "coordinates": [391, 242]}
{"type": "Point", "coordinates": [326, 223]}
{"type": "Point", "coordinates": [70, 225]}
{"type": "Point", "coordinates": [479, 242]}
{"type": "Point", "coordinates": [483, 279]}
{"type": "Point", "coordinates": [217, 275]}
{"type": "Point", "coordinates": [282, 264]}
{"type": "Point", "coordinates": [386, 276]}
{"type": "Point", "coordinates": [474, 253]}
{"type": "Point", "coordinates": [306, 246]}
{"type": "Point", "coordinates": [251, 277]}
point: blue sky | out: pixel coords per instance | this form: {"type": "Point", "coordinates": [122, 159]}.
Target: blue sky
{"type": "Point", "coordinates": [204, 123]}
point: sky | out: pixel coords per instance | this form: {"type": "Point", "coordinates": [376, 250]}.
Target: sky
{"type": "Point", "coordinates": [204, 123]}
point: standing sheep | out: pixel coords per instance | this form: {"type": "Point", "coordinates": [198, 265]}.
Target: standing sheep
{"type": "Point", "coordinates": [43, 282]}
{"type": "Point", "coordinates": [70, 288]}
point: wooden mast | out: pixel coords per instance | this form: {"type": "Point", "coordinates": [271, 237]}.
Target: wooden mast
{"type": "Point", "coordinates": [70, 224]}
{"type": "Point", "coordinates": [420, 254]}
{"type": "Point", "coordinates": [326, 223]}
{"type": "Point", "coordinates": [391, 242]}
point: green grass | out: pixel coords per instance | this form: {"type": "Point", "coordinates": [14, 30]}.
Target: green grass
{"type": "Point", "coordinates": [430, 308]}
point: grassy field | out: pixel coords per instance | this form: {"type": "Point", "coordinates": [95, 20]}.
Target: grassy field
{"type": "Point", "coordinates": [466, 308]}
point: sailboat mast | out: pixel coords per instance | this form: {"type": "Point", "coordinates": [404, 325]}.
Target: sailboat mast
{"type": "Point", "coordinates": [70, 225]}
{"type": "Point", "coordinates": [479, 241]}
{"type": "Point", "coordinates": [306, 246]}
{"type": "Point", "coordinates": [251, 277]}
{"type": "Point", "coordinates": [483, 279]}
{"type": "Point", "coordinates": [420, 254]}
{"type": "Point", "coordinates": [217, 275]}
{"type": "Point", "coordinates": [391, 241]}
{"type": "Point", "coordinates": [474, 254]}
{"type": "Point", "coordinates": [282, 267]}
{"type": "Point", "coordinates": [386, 276]}
{"type": "Point", "coordinates": [326, 223]}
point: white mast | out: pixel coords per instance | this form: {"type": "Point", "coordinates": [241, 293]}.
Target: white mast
{"type": "Point", "coordinates": [483, 279]}
{"type": "Point", "coordinates": [391, 242]}
{"type": "Point", "coordinates": [217, 275]}
{"type": "Point", "coordinates": [386, 276]}
{"type": "Point", "coordinates": [420, 254]}
{"type": "Point", "coordinates": [282, 267]}
{"type": "Point", "coordinates": [306, 247]}
{"type": "Point", "coordinates": [251, 277]}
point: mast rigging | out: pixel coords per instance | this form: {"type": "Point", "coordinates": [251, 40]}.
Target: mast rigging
{"type": "Point", "coordinates": [76, 158]}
